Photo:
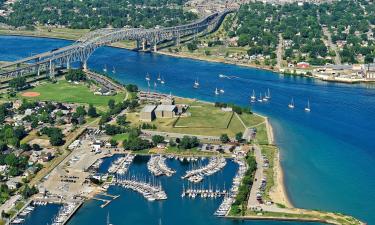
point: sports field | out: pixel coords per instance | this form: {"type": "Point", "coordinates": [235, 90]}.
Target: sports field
{"type": "Point", "coordinates": [63, 91]}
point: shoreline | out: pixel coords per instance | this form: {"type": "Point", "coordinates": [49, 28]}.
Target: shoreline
{"type": "Point", "coordinates": [278, 191]}
{"type": "Point", "coordinates": [200, 58]}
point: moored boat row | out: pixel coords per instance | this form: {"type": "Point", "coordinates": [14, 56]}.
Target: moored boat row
{"type": "Point", "coordinates": [231, 195]}
{"type": "Point", "coordinates": [157, 166]}
{"type": "Point", "coordinates": [124, 166]}
{"type": "Point", "coordinates": [149, 190]}
{"type": "Point", "coordinates": [64, 213]}
{"type": "Point", "coordinates": [196, 175]}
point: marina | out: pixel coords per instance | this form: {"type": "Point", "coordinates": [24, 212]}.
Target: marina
{"type": "Point", "coordinates": [319, 126]}
{"type": "Point", "coordinates": [229, 198]}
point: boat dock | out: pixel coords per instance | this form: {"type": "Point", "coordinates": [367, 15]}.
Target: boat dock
{"type": "Point", "coordinates": [157, 166]}
{"type": "Point", "coordinates": [106, 201]}
{"type": "Point", "coordinates": [214, 165]}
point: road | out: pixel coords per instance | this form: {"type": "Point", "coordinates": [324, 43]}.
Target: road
{"type": "Point", "coordinates": [252, 202]}
{"type": "Point", "coordinates": [331, 45]}
{"type": "Point", "coordinates": [279, 52]}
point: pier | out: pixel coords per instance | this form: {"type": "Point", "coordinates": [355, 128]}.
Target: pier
{"type": "Point", "coordinates": [105, 201]}
{"type": "Point", "coordinates": [149, 190]}
{"type": "Point", "coordinates": [121, 165]}
{"type": "Point", "coordinates": [229, 198]}
{"type": "Point", "coordinates": [157, 166]}
{"type": "Point", "coordinates": [214, 165]}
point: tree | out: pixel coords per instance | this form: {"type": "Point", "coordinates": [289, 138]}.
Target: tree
{"type": "Point", "coordinates": [121, 120]}
{"type": "Point", "coordinates": [75, 75]}
{"type": "Point", "coordinates": [91, 112]}
{"type": "Point", "coordinates": [25, 147]}
{"type": "Point", "coordinates": [157, 139]}
{"type": "Point", "coordinates": [18, 83]}
{"type": "Point", "coordinates": [188, 142]}
{"type": "Point", "coordinates": [224, 138]}
{"type": "Point", "coordinates": [111, 103]}
{"type": "Point", "coordinates": [131, 87]}
{"type": "Point", "coordinates": [113, 142]}
{"type": "Point", "coordinates": [55, 135]}
{"type": "Point", "coordinates": [239, 136]}
{"type": "Point", "coordinates": [36, 147]}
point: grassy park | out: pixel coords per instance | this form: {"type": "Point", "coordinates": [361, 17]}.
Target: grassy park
{"type": "Point", "coordinates": [63, 91]}
{"type": "Point", "coordinates": [204, 119]}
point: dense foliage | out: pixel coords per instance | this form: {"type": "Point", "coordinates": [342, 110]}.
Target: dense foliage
{"type": "Point", "coordinates": [349, 22]}
{"type": "Point", "coordinates": [99, 14]}
{"type": "Point", "coordinates": [18, 83]}
{"type": "Point", "coordinates": [244, 189]}
{"type": "Point", "coordinates": [75, 75]}
{"type": "Point", "coordinates": [17, 164]}
{"type": "Point", "coordinates": [56, 137]}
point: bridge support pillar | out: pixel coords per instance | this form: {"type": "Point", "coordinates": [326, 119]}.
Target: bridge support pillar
{"type": "Point", "coordinates": [68, 64]}
{"type": "Point", "coordinates": [144, 45]}
{"type": "Point", "coordinates": [155, 47]}
{"type": "Point", "coordinates": [38, 70]}
{"type": "Point", "coordinates": [51, 69]}
{"type": "Point", "coordinates": [84, 65]}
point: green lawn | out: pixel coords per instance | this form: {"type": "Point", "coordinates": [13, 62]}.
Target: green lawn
{"type": "Point", "coordinates": [63, 91]}
{"type": "Point", "coordinates": [251, 120]}
{"type": "Point", "coordinates": [261, 136]}
{"type": "Point", "coordinates": [205, 116]}
{"type": "Point", "coordinates": [120, 137]}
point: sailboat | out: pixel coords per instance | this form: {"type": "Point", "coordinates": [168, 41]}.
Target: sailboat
{"type": "Point", "coordinates": [196, 83]}
{"type": "Point", "coordinates": [162, 80]}
{"type": "Point", "coordinates": [253, 97]}
{"type": "Point", "coordinates": [291, 104]}
{"type": "Point", "coordinates": [217, 92]}
{"type": "Point", "coordinates": [114, 70]}
{"type": "Point", "coordinates": [105, 68]}
{"type": "Point", "coordinates": [265, 98]}
{"type": "Point", "coordinates": [148, 77]}
{"type": "Point", "coordinates": [159, 79]}
{"type": "Point", "coordinates": [307, 108]}
{"type": "Point", "coordinates": [108, 223]}
{"type": "Point", "coordinates": [268, 96]}
{"type": "Point", "coordinates": [260, 99]}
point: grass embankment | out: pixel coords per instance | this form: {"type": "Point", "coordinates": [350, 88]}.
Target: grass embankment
{"type": "Point", "coordinates": [205, 119]}
{"type": "Point", "coordinates": [63, 91]}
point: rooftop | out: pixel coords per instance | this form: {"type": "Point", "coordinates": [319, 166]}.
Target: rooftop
{"type": "Point", "coordinates": [165, 108]}
{"type": "Point", "coordinates": [148, 108]}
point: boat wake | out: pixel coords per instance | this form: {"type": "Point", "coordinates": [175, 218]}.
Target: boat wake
{"type": "Point", "coordinates": [228, 77]}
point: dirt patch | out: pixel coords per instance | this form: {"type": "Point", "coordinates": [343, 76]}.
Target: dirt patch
{"type": "Point", "coordinates": [30, 94]}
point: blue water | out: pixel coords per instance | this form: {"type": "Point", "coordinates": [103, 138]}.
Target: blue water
{"type": "Point", "coordinates": [42, 215]}
{"type": "Point", "coordinates": [328, 154]}
{"type": "Point", "coordinates": [132, 208]}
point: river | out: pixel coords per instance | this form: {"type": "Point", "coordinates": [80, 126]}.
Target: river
{"type": "Point", "coordinates": [327, 154]}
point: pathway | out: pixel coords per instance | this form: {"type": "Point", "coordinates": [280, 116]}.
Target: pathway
{"type": "Point", "coordinates": [331, 45]}
{"type": "Point", "coordinates": [279, 52]}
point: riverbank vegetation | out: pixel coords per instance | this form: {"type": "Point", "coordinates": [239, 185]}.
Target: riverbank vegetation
{"type": "Point", "coordinates": [92, 15]}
